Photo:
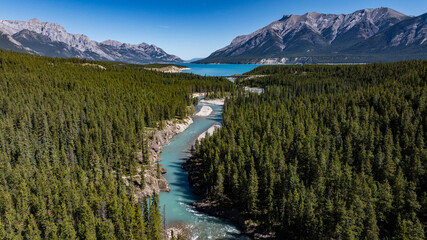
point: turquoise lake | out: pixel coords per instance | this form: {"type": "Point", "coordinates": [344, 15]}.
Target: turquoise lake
{"type": "Point", "coordinates": [218, 69]}
{"type": "Point", "coordinates": [177, 202]}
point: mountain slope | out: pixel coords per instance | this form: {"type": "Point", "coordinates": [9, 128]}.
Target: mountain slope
{"type": "Point", "coordinates": [51, 39]}
{"type": "Point", "coordinates": [406, 37]}
{"type": "Point", "coordinates": [312, 37]}
{"type": "Point", "coordinates": [132, 53]}
{"type": "Point", "coordinates": [8, 43]}
{"type": "Point", "coordinates": [43, 45]}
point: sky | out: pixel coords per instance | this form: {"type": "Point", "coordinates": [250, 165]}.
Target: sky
{"type": "Point", "coordinates": [186, 28]}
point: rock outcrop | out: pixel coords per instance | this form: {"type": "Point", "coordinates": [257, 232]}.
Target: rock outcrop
{"type": "Point", "coordinates": [163, 137]}
{"type": "Point", "coordinates": [152, 180]}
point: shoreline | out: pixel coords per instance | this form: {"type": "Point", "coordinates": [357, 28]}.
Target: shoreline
{"type": "Point", "coordinates": [169, 69]}
{"type": "Point", "coordinates": [218, 101]}
{"type": "Point", "coordinates": [256, 232]}
{"type": "Point", "coordinates": [235, 216]}
{"type": "Point", "coordinates": [208, 131]}
{"type": "Point", "coordinates": [164, 137]}
{"type": "Point", "coordinates": [192, 165]}
{"type": "Point", "coordinates": [204, 111]}
{"type": "Point", "coordinates": [198, 94]}
{"type": "Point", "coordinates": [156, 140]}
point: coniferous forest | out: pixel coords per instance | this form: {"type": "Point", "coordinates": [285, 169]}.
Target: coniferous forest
{"type": "Point", "coordinates": [69, 131]}
{"type": "Point", "coordinates": [326, 152]}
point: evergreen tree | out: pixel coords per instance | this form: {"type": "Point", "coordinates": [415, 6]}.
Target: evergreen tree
{"type": "Point", "coordinates": [155, 220]}
{"type": "Point", "coordinates": [335, 152]}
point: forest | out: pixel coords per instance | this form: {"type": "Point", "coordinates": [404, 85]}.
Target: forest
{"type": "Point", "coordinates": [326, 152]}
{"type": "Point", "coordinates": [69, 131]}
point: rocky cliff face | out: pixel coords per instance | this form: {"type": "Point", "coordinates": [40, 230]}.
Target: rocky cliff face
{"type": "Point", "coordinates": [51, 39]}
{"type": "Point", "coordinates": [163, 137]}
{"type": "Point", "coordinates": [306, 37]}
{"type": "Point", "coordinates": [152, 182]}
{"type": "Point", "coordinates": [134, 53]}
{"type": "Point", "coordinates": [9, 43]}
{"type": "Point", "coordinates": [408, 36]}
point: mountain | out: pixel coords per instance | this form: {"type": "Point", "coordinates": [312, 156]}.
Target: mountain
{"type": "Point", "coordinates": [51, 39]}
{"type": "Point", "coordinates": [406, 37]}
{"type": "Point", "coordinates": [132, 53]}
{"type": "Point", "coordinates": [8, 43]}
{"type": "Point", "coordinates": [42, 45]}
{"type": "Point", "coordinates": [193, 60]}
{"type": "Point", "coordinates": [313, 38]}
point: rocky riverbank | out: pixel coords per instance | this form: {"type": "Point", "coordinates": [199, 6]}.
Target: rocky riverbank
{"type": "Point", "coordinates": [210, 131]}
{"type": "Point", "coordinates": [153, 182]}
{"type": "Point", "coordinates": [247, 227]}
{"type": "Point", "coordinates": [158, 138]}
{"type": "Point", "coordinates": [213, 101]}
{"type": "Point", "coordinates": [193, 167]}
{"type": "Point", "coordinates": [204, 112]}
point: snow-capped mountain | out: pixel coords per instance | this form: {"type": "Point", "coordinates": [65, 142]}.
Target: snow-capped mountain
{"type": "Point", "coordinates": [51, 39]}
{"type": "Point", "coordinates": [312, 37]}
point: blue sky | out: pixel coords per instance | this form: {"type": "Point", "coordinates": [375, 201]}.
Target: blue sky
{"type": "Point", "coordinates": [188, 28]}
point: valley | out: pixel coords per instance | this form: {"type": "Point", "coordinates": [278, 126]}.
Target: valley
{"type": "Point", "coordinates": [294, 124]}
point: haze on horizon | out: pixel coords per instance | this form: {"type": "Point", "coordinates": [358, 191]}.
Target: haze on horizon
{"type": "Point", "coordinates": [188, 29]}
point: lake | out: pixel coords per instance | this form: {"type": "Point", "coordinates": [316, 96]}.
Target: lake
{"type": "Point", "coordinates": [218, 69]}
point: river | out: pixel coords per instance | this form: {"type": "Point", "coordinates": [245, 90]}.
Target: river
{"type": "Point", "coordinates": [176, 203]}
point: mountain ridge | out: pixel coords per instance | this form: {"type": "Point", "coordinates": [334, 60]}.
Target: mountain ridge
{"type": "Point", "coordinates": [312, 37]}
{"type": "Point", "coordinates": [51, 39]}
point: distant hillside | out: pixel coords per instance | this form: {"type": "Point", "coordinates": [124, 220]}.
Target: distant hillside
{"type": "Point", "coordinates": [331, 38]}
{"type": "Point", "coordinates": [194, 60]}
{"type": "Point", "coordinates": [51, 39]}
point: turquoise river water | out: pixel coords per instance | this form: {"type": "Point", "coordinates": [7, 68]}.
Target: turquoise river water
{"type": "Point", "coordinates": [177, 202]}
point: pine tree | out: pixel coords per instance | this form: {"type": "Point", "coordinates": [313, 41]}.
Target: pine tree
{"type": "Point", "coordinates": [66, 228]}
{"type": "Point", "coordinates": [105, 230]}
{"type": "Point", "coordinates": [155, 220]}
{"type": "Point", "coordinates": [252, 191]}
{"type": "Point", "coordinates": [32, 231]}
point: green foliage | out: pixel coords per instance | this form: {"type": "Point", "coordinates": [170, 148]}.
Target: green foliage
{"type": "Point", "coordinates": [326, 152]}
{"type": "Point", "coordinates": [155, 229]}
{"type": "Point", "coordinates": [69, 131]}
